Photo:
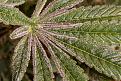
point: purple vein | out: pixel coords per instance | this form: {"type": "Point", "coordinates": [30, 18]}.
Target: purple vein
{"type": "Point", "coordinates": [50, 5]}
{"type": "Point", "coordinates": [54, 58]}
{"type": "Point", "coordinates": [62, 11]}
{"type": "Point", "coordinates": [45, 57]}
{"type": "Point", "coordinates": [53, 25]}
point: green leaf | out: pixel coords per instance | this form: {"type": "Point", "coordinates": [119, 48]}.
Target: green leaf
{"type": "Point", "coordinates": [3, 1]}
{"type": "Point", "coordinates": [37, 63]}
{"type": "Point", "coordinates": [62, 36]}
{"type": "Point", "coordinates": [95, 76]}
{"type": "Point", "coordinates": [20, 59]}
{"type": "Point", "coordinates": [97, 32]}
{"type": "Point", "coordinates": [11, 3]}
{"type": "Point", "coordinates": [95, 42]}
{"type": "Point", "coordinates": [40, 5]}
{"type": "Point", "coordinates": [13, 16]}
{"type": "Point", "coordinates": [101, 57]}
{"type": "Point", "coordinates": [72, 71]}
{"type": "Point", "coordinates": [58, 6]}
{"type": "Point", "coordinates": [41, 64]}
{"type": "Point", "coordinates": [90, 13]}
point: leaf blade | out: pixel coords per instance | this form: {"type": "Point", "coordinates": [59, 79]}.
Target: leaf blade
{"type": "Point", "coordinates": [96, 51]}
{"type": "Point", "coordinates": [72, 71]}
{"type": "Point", "coordinates": [94, 59]}
{"type": "Point", "coordinates": [57, 7]}
{"type": "Point", "coordinates": [90, 13]}
{"type": "Point", "coordinates": [19, 32]}
{"type": "Point", "coordinates": [20, 59]}
{"type": "Point", "coordinates": [14, 17]}
{"type": "Point", "coordinates": [13, 3]}
{"type": "Point", "coordinates": [37, 63]}
{"type": "Point", "coordinates": [45, 62]}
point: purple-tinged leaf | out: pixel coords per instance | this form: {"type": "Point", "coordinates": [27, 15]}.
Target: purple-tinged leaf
{"type": "Point", "coordinates": [53, 25]}
{"type": "Point", "coordinates": [37, 63]}
{"type": "Point", "coordinates": [19, 32]}
{"type": "Point", "coordinates": [54, 58]}
{"type": "Point", "coordinates": [49, 75]}
{"type": "Point", "coordinates": [48, 7]}
{"type": "Point", "coordinates": [20, 59]}
{"type": "Point", "coordinates": [58, 7]}
{"type": "Point", "coordinates": [57, 44]}
{"type": "Point", "coordinates": [39, 7]}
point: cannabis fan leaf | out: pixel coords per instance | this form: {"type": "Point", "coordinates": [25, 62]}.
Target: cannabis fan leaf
{"type": "Point", "coordinates": [60, 31]}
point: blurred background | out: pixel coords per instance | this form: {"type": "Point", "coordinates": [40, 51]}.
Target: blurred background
{"type": "Point", "coordinates": [7, 45]}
